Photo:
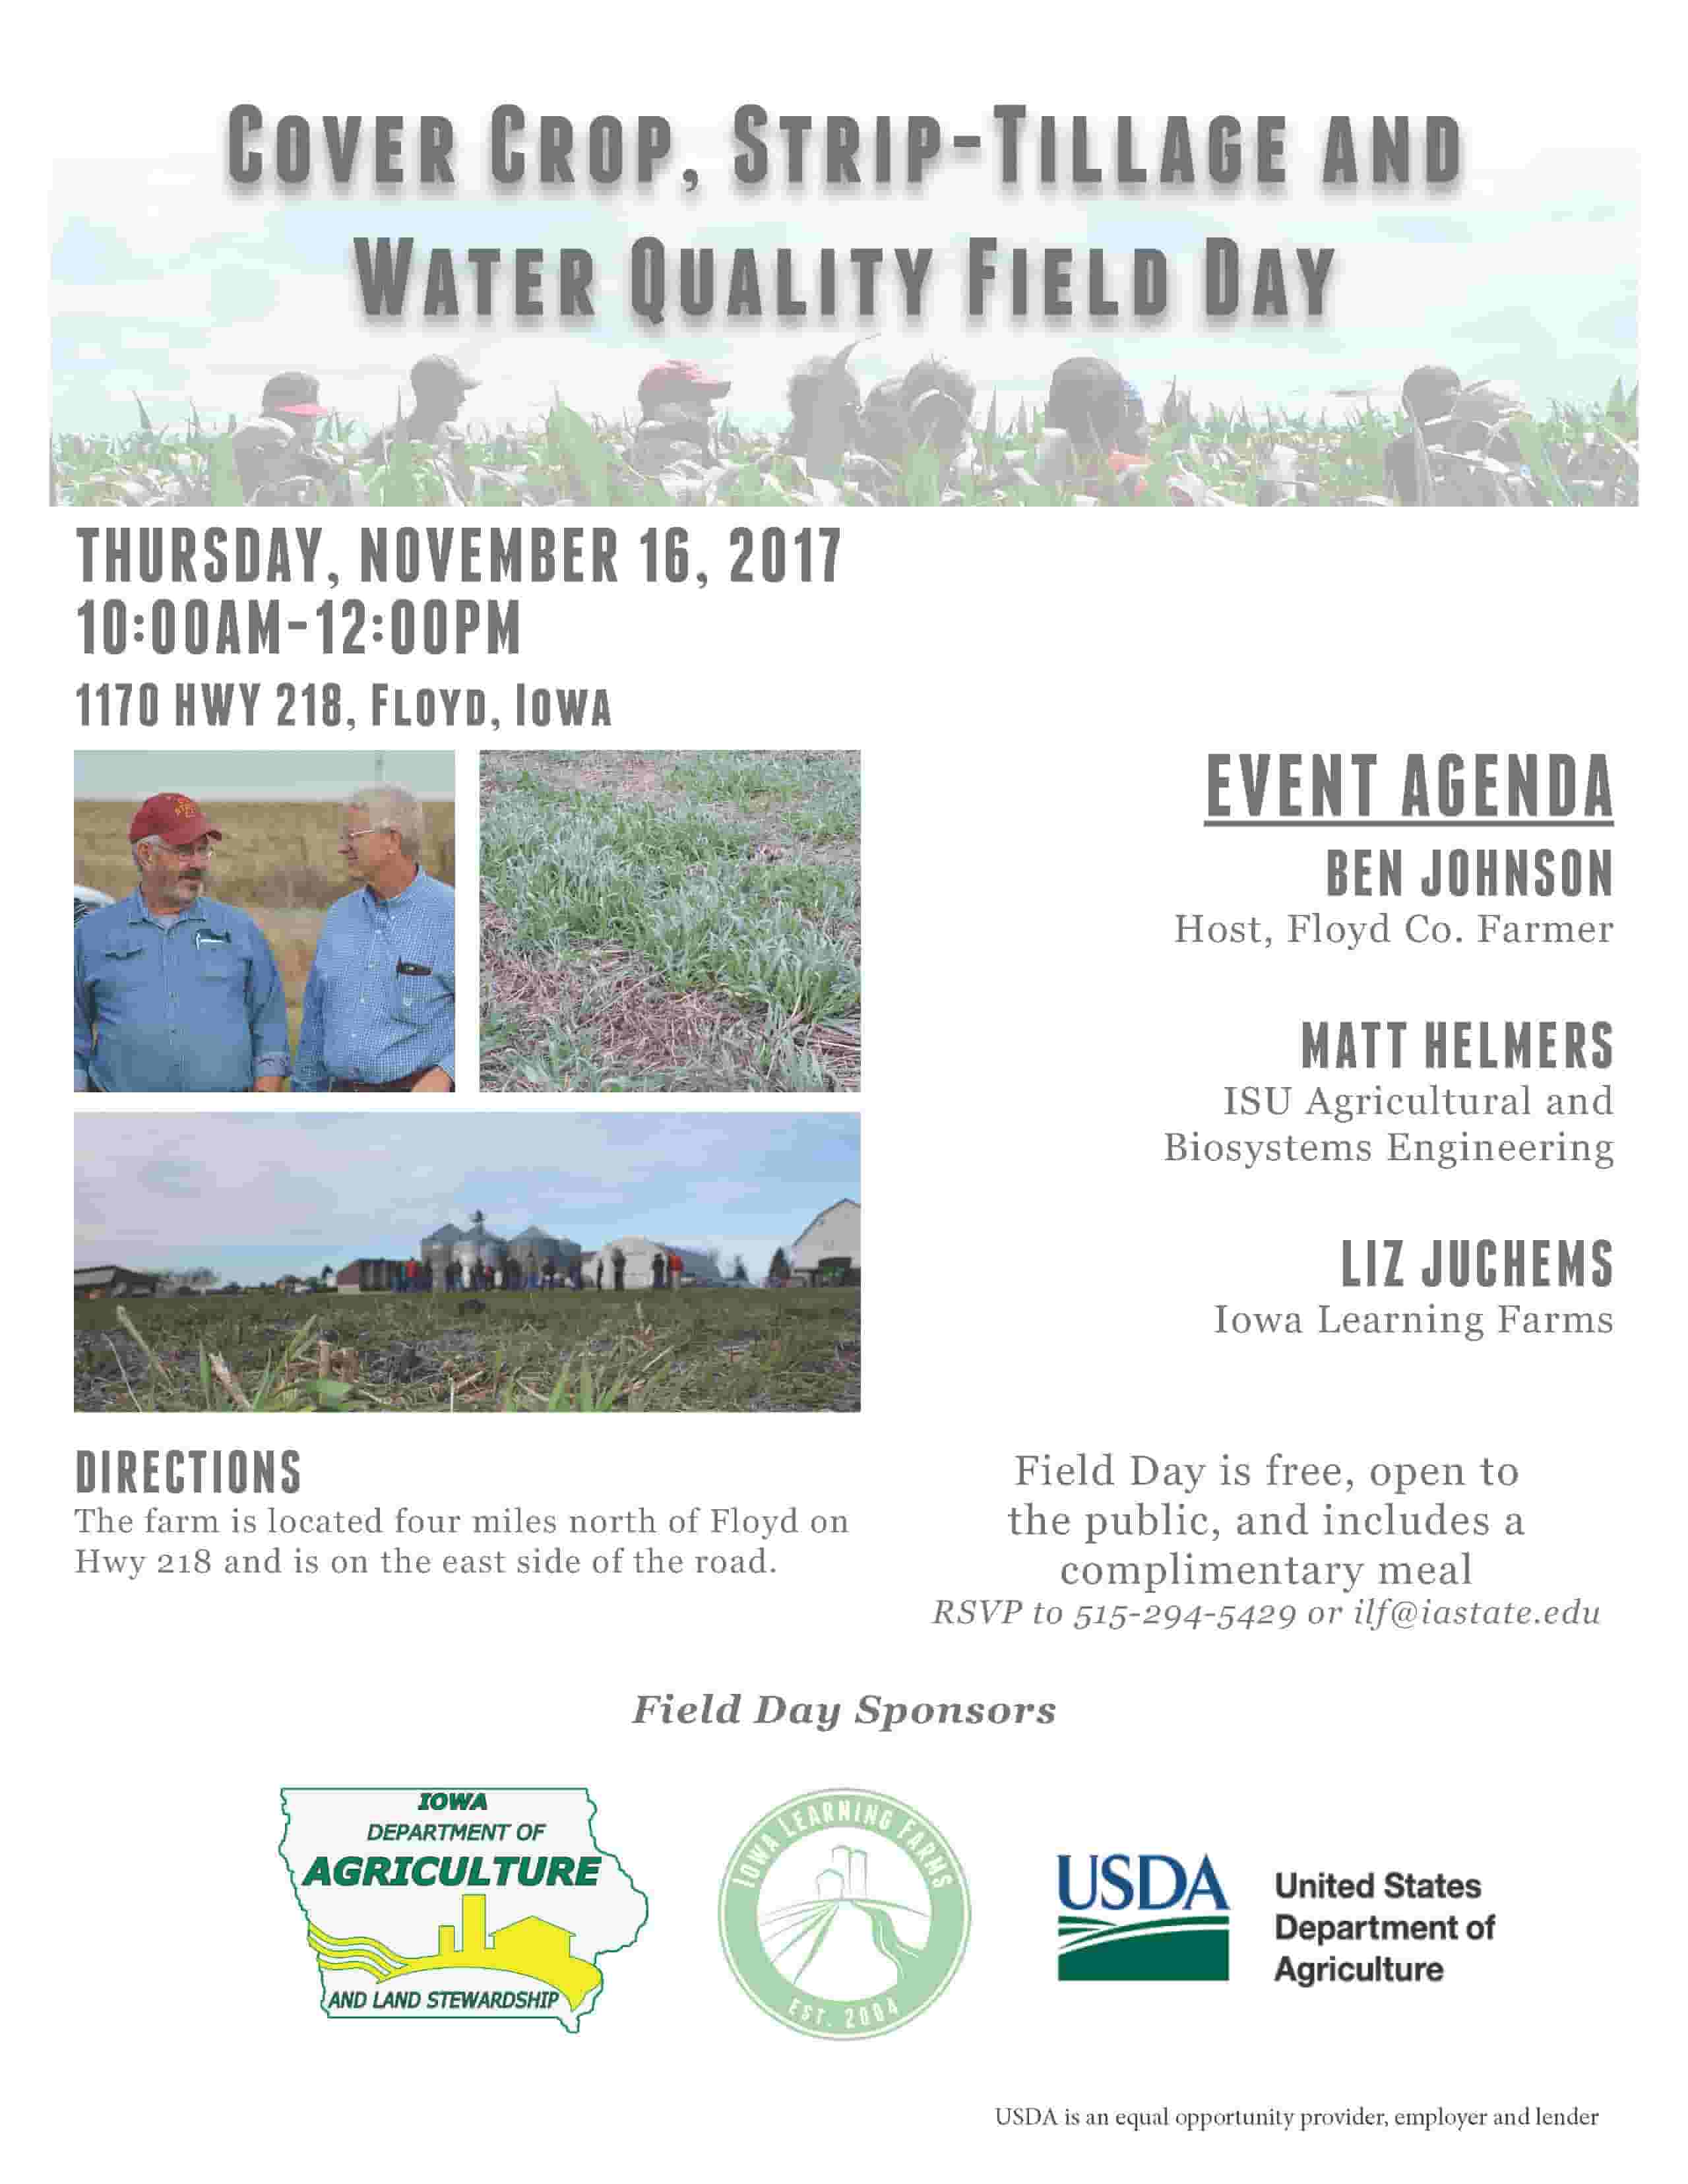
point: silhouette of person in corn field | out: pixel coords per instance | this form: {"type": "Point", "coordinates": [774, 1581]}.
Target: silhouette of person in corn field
{"type": "Point", "coordinates": [838, 436]}
{"type": "Point", "coordinates": [439, 384]}
{"type": "Point", "coordinates": [884, 426]}
{"type": "Point", "coordinates": [1095, 430]}
{"type": "Point", "coordinates": [1471, 456]}
{"type": "Point", "coordinates": [930, 405]}
{"type": "Point", "coordinates": [676, 417]}
{"type": "Point", "coordinates": [659, 1270]}
{"type": "Point", "coordinates": [276, 457]}
{"type": "Point", "coordinates": [1428, 395]}
{"type": "Point", "coordinates": [618, 1260]}
{"type": "Point", "coordinates": [826, 407]}
{"type": "Point", "coordinates": [1094, 401]}
{"type": "Point", "coordinates": [937, 399]}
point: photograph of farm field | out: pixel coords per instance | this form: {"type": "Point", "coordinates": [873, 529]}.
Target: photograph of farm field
{"type": "Point", "coordinates": [278, 860]}
{"type": "Point", "coordinates": [705, 1349]}
{"type": "Point", "coordinates": [671, 921]}
{"type": "Point", "coordinates": [1003, 454]}
{"type": "Point", "coordinates": [391, 1258]}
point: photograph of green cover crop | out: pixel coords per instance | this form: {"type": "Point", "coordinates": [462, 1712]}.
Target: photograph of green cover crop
{"type": "Point", "coordinates": [715, 1349]}
{"type": "Point", "coordinates": [597, 1260]}
{"type": "Point", "coordinates": [671, 921]}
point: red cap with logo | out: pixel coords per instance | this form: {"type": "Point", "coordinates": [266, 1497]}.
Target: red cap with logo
{"type": "Point", "coordinates": [674, 381]}
{"type": "Point", "coordinates": [175, 820]}
{"type": "Point", "coordinates": [293, 394]}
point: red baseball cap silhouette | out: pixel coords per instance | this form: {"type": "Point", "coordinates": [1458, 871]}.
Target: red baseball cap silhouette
{"type": "Point", "coordinates": [673, 382]}
{"type": "Point", "coordinates": [175, 820]}
{"type": "Point", "coordinates": [293, 394]}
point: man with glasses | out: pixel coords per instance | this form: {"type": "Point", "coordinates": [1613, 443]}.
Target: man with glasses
{"type": "Point", "coordinates": [174, 992]}
{"type": "Point", "coordinates": [380, 1006]}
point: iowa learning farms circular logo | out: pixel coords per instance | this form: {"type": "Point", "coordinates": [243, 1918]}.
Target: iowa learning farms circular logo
{"type": "Point", "coordinates": [843, 1913]}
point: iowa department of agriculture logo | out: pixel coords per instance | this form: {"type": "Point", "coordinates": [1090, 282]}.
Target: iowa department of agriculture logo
{"type": "Point", "coordinates": [843, 1913]}
{"type": "Point", "coordinates": [1144, 1918]}
{"type": "Point", "coordinates": [430, 1904]}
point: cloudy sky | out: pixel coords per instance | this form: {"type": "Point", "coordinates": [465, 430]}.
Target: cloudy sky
{"type": "Point", "coordinates": [257, 1195]}
{"type": "Point", "coordinates": [169, 282]}
{"type": "Point", "coordinates": [251, 776]}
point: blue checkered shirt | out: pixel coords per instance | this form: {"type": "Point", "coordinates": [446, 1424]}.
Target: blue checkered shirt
{"type": "Point", "coordinates": [381, 1001]}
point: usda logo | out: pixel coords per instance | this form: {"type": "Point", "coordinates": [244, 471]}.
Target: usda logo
{"type": "Point", "coordinates": [1141, 1918]}
{"type": "Point", "coordinates": [843, 1913]}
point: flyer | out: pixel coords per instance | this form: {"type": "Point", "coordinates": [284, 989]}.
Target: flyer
{"type": "Point", "coordinates": [629, 750]}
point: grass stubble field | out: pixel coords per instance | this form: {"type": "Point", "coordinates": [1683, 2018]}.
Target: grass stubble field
{"type": "Point", "coordinates": [277, 862]}
{"type": "Point", "coordinates": [671, 921]}
{"type": "Point", "coordinates": [1581, 455]}
{"type": "Point", "coordinates": [698, 1349]}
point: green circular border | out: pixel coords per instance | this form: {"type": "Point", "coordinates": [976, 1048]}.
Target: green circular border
{"type": "Point", "coordinates": [780, 2016]}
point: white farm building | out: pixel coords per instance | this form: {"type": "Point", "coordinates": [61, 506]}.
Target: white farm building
{"type": "Point", "coordinates": [831, 1242]}
{"type": "Point", "coordinates": [638, 1253]}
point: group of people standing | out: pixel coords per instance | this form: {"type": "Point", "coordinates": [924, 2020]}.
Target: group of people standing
{"type": "Point", "coordinates": [280, 464]}
{"type": "Point", "coordinates": [1095, 433]}
{"type": "Point", "coordinates": [416, 1276]}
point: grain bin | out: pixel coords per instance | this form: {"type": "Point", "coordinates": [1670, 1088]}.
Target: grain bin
{"type": "Point", "coordinates": [437, 1250]}
{"type": "Point", "coordinates": [477, 1244]}
{"type": "Point", "coordinates": [535, 1245]}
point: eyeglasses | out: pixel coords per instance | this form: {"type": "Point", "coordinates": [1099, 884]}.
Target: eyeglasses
{"type": "Point", "coordinates": [192, 850]}
{"type": "Point", "coordinates": [346, 840]}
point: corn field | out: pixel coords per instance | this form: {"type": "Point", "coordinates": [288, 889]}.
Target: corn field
{"type": "Point", "coordinates": [1578, 456]}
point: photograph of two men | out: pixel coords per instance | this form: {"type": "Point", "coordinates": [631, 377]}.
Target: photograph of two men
{"type": "Point", "coordinates": [264, 921]}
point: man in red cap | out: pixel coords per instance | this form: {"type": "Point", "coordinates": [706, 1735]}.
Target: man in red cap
{"type": "Point", "coordinates": [277, 454]}
{"type": "Point", "coordinates": [174, 992]}
{"type": "Point", "coordinates": [676, 422]}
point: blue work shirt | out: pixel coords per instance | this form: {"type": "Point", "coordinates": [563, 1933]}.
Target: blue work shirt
{"type": "Point", "coordinates": [381, 999]}
{"type": "Point", "coordinates": [194, 1005]}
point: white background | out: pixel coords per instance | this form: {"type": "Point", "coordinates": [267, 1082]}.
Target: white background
{"type": "Point", "coordinates": [1035, 699]}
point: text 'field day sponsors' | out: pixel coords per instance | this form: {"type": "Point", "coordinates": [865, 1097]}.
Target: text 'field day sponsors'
{"type": "Point", "coordinates": [843, 1913]}
{"type": "Point", "coordinates": [427, 1903]}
